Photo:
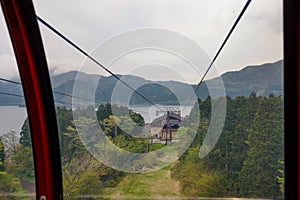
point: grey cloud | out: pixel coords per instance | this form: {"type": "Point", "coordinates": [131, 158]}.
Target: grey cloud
{"type": "Point", "coordinates": [90, 22]}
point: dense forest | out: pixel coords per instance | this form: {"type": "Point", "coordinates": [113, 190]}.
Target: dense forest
{"type": "Point", "coordinates": [247, 160]}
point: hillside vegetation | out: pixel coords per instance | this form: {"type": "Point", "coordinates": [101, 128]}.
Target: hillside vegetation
{"type": "Point", "coordinates": [263, 79]}
{"type": "Point", "coordinates": [247, 160]}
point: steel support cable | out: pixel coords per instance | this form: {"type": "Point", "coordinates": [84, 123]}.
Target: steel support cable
{"type": "Point", "coordinates": [55, 92]}
{"type": "Point", "coordinates": [10, 94]}
{"type": "Point", "coordinates": [222, 45]}
{"type": "Point", "coordinates": [21, 96]}
{"type": "Point", "coordinates": [50, 27]}
{"type": "Point", "coordinates": [126, 84]}
{"type": "Point", "coordinates": [10, 81]}
{"type": "Point", "coordinates": [115, 76]}
{"type": "Point", "coordinates": [110, 72]}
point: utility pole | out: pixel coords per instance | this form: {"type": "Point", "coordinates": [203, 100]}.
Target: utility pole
{"type": "Point", "coordinates": [169, 129]}
{"type": "Point", "coordinates": [166, 125]}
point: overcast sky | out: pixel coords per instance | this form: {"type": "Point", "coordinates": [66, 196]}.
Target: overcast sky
{"type": "Point", "coordinates": [257, 39]}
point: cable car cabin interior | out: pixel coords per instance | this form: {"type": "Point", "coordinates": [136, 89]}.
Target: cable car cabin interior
{"type": "Point", "coordinates": [89, 147]}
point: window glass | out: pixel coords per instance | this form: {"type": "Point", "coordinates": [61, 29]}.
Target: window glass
{"type": "Point", "coordinates": [17, 179]}
{"type": "Point", "coordinates": [134, 122]}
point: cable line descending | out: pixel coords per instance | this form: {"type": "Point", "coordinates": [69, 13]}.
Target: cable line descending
{"type": "Point", "coordinates": [21, 96]}
{"type": "Point", "coordinates": [10, 81]}
{"type": "Point", "coordinates": [221, 47]}
{"type": "Point", "coordinates": [115, 76]}
{"type": "Point", "coordinates": [10, 94]}
{"type": "Point", "coordinates": [55, 92]}
{"type": "Point", "coordinates": [223, 44]}
{"type": "Point", "coordinates": [92, 59]}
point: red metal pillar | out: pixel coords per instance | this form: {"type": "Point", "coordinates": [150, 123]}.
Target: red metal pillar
{"type": "Point", "coordinates": [27, 43]}
{"type": "Point", "coordinates": [291, 98]}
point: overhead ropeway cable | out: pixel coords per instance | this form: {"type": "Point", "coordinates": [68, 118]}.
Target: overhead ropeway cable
{"type": "Point", "coordinates": [50, 27]}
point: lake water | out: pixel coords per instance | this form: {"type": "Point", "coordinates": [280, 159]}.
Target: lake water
{"type": "Point", "coordinates": [12, 118]}
{"type": "Point", "coordinates": [149, 113]}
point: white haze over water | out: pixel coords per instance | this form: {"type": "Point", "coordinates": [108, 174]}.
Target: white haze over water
{"type": "Point", "coordinates": [12, 118]}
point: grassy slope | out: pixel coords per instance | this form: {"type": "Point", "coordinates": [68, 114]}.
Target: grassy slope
{"type": "Point", "coordinates": [152, 185]}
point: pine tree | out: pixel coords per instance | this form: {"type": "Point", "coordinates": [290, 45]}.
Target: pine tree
{"type": "Point", "coordinates": [2, 156]}
{"type": "Point", "coordinates": [25, 138]}
{"type": "Point", "coordinates": [260, 170]}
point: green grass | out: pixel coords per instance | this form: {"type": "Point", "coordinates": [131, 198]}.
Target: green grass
{"type": "Point", "coordinates": [153, 185]}
{"type": "Point", "coordinates": [157, 146]}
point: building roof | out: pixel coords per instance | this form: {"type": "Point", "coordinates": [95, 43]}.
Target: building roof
{"type": "Point", "coordinates": [160, 121]}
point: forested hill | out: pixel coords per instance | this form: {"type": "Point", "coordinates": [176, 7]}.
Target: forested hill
{"type": "Point", "coordinates": [247, 160]}
{"type": "Point", "coordinates": [262, 79]}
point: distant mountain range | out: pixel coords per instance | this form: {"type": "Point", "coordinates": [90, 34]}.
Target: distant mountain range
{"type": "Point", "coordinates": [262, 79]}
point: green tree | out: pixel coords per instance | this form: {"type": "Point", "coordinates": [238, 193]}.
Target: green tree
{"type": "Point", "coordinates": [10, 142]}
{"type": "Point", "coordinates": [103, 111]}
{"type": "Point", "coordinates": [260, 170]}
{"type": "Point", "coordinates": [21, 164]}
{"type": "Point", "coordinates": [129, 143]}
{"type": "Point", "coordinates": [241, 111]}
{"type": "Point", "coordinates": [9, 185]}
{"type": "Point", "coordinates": [110, 125]}
{"type": "Point", "coordinates": [71, 145]}
{"type": "Point", "coordinates": [224, 166]}
{"type": "Point", "coordinates": [25, 138]}
{"type": "Point", "coordinates": [2, 156]}
{"type": "Point", "coordinates": [196, 179]}
{"type": "Point", "coordinates": [80, 176]}
{"type": "Point", "coordinates": [64, 119]}
{"type": "Point", "coordinates": [280, 178]}
{"type": "Point", "coordinates": [137, 118]}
